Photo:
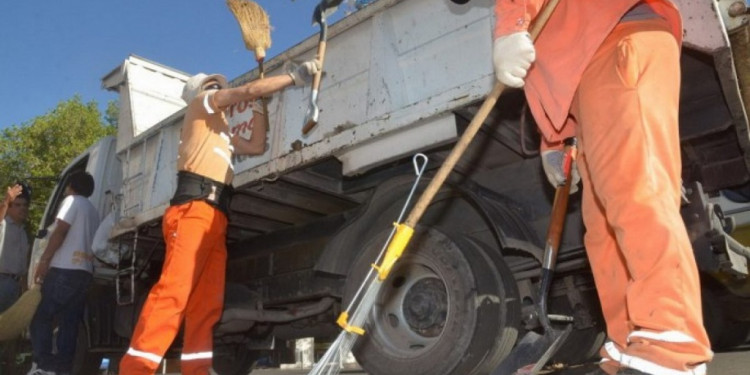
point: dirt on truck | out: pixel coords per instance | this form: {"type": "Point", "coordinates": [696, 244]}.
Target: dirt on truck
{"type": "Point", "coordinates": [310, 215]}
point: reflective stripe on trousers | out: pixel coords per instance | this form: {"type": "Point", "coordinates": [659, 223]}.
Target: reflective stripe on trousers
{"type": "Point", "coordinates": [626, 109]}
{"type": "Point", "coordinates": [190, 291]}
{"type": "Point", "coordinates": [646, 365]}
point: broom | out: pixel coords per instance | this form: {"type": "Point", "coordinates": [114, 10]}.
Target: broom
{"type": "Point", "coordinates": [17, 317]}
{"type": "Point", "coordinates": [256, 32]}
{"type": "Point", "coordinates": [402, 233]}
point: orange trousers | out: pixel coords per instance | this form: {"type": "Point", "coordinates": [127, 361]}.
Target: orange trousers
{"type": "Point", "coordinates": [190, 289]}
{"type": "Point", "coordinates": [626, 108]}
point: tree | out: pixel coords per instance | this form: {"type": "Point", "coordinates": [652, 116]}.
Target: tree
{"type": "Point", "coordinates": [38, 150]}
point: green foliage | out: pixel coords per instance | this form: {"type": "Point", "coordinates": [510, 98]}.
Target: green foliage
{"type": "Point", "coordinates": [112, 114]}
{"type": "Point", "coordinates": [38, 150]}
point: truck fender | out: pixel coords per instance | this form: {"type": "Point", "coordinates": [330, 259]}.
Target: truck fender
{"type": "Point", "coordinates": [499, 214]}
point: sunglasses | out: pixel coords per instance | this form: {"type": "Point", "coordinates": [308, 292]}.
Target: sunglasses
{"type": "Point", "coordinates": [213, 86]}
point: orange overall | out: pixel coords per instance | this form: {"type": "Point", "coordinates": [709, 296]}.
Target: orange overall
{"type": "Point", "coordinates": [615, 85]}
{"type": "Point", "coordinates": [191, 286]}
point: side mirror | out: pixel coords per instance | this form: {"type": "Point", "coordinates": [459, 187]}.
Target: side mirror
{"type": "Point", "coordinates": [41, 233]}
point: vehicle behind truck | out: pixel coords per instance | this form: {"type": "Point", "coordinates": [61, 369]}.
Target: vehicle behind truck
{"type": "Point", "coordinates": [309, 216]}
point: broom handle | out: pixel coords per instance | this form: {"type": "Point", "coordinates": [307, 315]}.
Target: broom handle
{"type": "Point", "coordinates": [474, 126]}
{"type": "Point", "coordinates": [560, 203]}
{"type": "Point", "coordinates": [321, 54]}
{"type": "Point", "coordinates": [261, 75]}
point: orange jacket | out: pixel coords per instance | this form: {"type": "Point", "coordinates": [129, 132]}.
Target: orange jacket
{"type": "Point", "coordinates": [563, 50]}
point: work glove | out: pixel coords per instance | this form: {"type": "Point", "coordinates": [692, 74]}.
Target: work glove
{"type": "Point", "coordinates": [302, 74]}
{"type": "Point", "coordinates": [552, 162]}
{"type": "Point", "coordinates": [512, 55]}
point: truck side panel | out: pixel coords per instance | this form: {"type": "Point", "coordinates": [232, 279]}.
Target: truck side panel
{"type": "Point", "coordinates": [384, 75]}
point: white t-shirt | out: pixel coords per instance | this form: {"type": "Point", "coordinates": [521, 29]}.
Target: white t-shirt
{"type": "Point", "coordinates": [75, 252]}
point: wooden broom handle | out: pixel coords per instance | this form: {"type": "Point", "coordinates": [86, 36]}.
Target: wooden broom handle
{"type": "Point", "coordinates": [474, 126]}
{"type": "Point", "coordinates": [321, 56]}
{"type": "Point", "coordinates": [560, 204]}
{"type": "Point", "coordinates": [264, 102]}
{"type": "Point", "coordinates": [316, 82]}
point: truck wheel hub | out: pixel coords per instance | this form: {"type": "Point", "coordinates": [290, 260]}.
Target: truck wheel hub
{"type": "Point", "coordinates": [425, 307]}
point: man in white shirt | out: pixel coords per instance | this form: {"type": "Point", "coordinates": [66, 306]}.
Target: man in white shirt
{"type": "Point", "coordinates": [65, 272]}
{"type": "Point", "coordinates": [14, 244]}
{"type": "Point", "coordinates": [14, 259]}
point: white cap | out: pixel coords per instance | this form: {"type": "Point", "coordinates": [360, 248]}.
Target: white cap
{"type": "Point", "coordinates": [194, 85]}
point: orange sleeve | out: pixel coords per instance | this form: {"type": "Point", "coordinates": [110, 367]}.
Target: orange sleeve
{"type": "Point", "coordinates": [568, 130]}
{"type": "Point", "coordinates": [514, 15]}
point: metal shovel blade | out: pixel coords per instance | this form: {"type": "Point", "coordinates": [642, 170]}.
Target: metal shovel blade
{"type": "Point", "coordinates": [313, 112]}
{"type": "Point", "coordinates": [324, 9]}
{"type": "Point", "coordinates": [532, 352]}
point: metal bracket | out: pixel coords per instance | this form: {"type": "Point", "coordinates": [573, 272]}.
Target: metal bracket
{"type": "Point", "coordinates": [125, 277]}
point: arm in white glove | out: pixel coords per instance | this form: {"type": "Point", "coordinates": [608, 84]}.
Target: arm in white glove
{"type": "Point", "coordinates": [552, 162]}
{"type": "Point", "coordinates": [512, 56]}
{"type": "Point", "coordinates": [302, 74]}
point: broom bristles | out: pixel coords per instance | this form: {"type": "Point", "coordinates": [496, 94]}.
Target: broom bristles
{"type": "Point", "coordinates": [256, 29]}
{"type": "Point", "coordinates": [17, 317]}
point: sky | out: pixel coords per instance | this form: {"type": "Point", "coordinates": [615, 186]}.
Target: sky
{"type": "Point", "coordinates": [53, 50]}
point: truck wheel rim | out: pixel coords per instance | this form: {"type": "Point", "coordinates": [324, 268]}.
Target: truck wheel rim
{"type": "Point", "coordinates": [414, 314]}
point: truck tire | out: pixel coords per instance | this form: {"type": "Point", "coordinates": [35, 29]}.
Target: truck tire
{"type": "Point", "coordinates": [85, 362]}
{"type": "Point", "coordinates": [233, 359]}
{"type": "Point", "coordinates": [588, 340]}
{"type": "Point", "coordinates": [506, 339]}
{"type": "Point", "coordinates": [441, 311]}
{"type": "Point", "coordinates": [724, 332]}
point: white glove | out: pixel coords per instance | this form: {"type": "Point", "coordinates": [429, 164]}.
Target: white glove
{"type": "Point", "coordinates": [303, 73]}
{"type": "Point", "coordinates": [552, 162]}
{"type": "Point", "coordinates": [512, 55]}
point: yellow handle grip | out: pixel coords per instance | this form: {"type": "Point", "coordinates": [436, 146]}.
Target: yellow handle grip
{"type": "Point", "coordinates": [343, 321]}
{"type": "Point", "coordinates": [395, 249]}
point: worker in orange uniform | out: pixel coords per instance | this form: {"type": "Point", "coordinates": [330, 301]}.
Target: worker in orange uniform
{"type": "Point", "coordinates": [608, 73]}
{"type": "Point", "coordinates": [191, 286]}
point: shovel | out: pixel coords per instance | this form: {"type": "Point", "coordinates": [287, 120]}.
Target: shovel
{"type": "Point", "coordinates": [534, 350]}
{"type": "Point", "coordinates": [325, 8]}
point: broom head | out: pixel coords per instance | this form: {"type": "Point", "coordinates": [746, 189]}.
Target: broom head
{"type": "Point", "coordinates": [256, 30]}
{"type": "Point", "coordinates": [17, 317]}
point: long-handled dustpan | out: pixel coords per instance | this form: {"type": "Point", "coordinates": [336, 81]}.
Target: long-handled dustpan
{"type": "Point", "coordinates": [323, 9]}
{"type": "Point", "coordinates": [534, 350]}
{"type": "Point", "coordinates": [400, 237]}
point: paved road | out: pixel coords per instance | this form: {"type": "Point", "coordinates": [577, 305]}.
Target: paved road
{"type": "Point", "coordinates": [734, 363]}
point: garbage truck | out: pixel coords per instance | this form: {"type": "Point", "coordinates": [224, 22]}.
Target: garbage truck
{"type": "Point", "coordinates": [309, 216]}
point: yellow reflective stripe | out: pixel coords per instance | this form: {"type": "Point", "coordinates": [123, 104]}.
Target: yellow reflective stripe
{"type": "Point", "coordinates": [150, 356]}
{"type": "Point", "coordinates": [223, 155]}
{"type": "Point", "coordinates": [207, 104]}
{"type": "Point", "coordinates": [193, 356]}
{"type": "Point", "coordinates": [226, 137]}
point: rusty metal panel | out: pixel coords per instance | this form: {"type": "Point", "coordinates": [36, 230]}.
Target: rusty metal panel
{"type": "Point", "coordinates": [394, 72]}
{"type": "Point", "coordinates": [703, 27]}
{"type": "Point", "coordinates": [389, 66]}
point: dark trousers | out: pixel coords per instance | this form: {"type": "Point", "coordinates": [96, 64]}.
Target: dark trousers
{"type": "Point", "coordinates": [63, 300]}
{"type": "Point", "coordinates": [10, 290]}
